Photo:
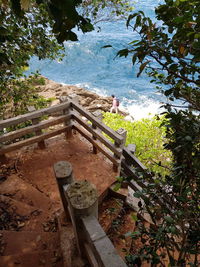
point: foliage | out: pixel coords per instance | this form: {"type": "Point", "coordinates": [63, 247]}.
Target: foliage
{"type": "Point", "coordinates": [169, 53]}
{"type": "Point", "coordinates": [106, 10]}
{"type": "Point", "coordinates": [22, 93]}
{"type": "Point", "coordinates": [39, 27]}
{"type": "Point", "coordinates": [149, 137]}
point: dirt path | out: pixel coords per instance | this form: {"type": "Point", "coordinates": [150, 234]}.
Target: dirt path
{"type": "Point", "coordinates": [36, 165]}
{"type": "Point", "coordinates": [30, 201]}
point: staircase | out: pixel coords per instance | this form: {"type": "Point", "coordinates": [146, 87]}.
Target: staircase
{"type": "Point", "coordinates": [29, 234]}
{"type": "Point", "coordinates": [33, 229]}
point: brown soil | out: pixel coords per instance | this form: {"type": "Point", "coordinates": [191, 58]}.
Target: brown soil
{"type": "Point", "coordinates": [30, 201]}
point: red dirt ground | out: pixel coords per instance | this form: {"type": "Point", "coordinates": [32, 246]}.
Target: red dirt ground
{"type": "Point", "coordinates": [30, 187]}
{"type": "Point", "coordinates": [36, 165]}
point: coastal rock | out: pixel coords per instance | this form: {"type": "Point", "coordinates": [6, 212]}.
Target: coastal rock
{"type": "Point", "coordinates": [87, 99]}
{"type": "Point", "coordinates": [91, 101]}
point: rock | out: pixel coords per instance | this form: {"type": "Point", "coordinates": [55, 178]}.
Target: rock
{"type": "Point", "coordinates": [91, 101]}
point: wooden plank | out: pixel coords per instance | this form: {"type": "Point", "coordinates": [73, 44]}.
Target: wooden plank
{"type": "Point", "coordinates": [98, 135]}
{"type": "Point", "coordinates": [127, 169]}
{"type": "Point", "coordinates": [96, 144]}
{"type": "Point", "coordinates": [32, 140]}
{"type": "Point", "coordinates": [139, 185]}
{"type": "Point", "coordinates": [32, 115]}
{"type": "Point", "coordinates": [115, 136]}
{"type": "Point", "coordinates": [42, 125]}
{"type": "Point", "coordinates": [132, 159]}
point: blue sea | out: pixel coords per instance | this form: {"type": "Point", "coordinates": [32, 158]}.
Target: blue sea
{"type": "Point", "coordinates": [88, 65]}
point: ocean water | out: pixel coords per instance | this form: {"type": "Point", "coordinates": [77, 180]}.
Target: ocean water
{"type": "Point", "coordinates": [87, 64]}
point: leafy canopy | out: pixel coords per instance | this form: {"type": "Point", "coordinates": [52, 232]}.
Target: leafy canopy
{"type": "Point", "coordinates": [168, 50]}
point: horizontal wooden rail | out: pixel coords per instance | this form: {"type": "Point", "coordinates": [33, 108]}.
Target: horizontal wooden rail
{"type": "Point", "coordinates": [30, 129]}
{"type": "Point", "coordinates": [130, 160]}
{"type": "Point", "coordinates": [138, 185]}
{"type": "Point", "coordinates": [97, 144]}
{"type": "Point", "coordinates": [98, 135]}
{"type": "Point", "coordinates": [32, 140]}
{"type": "Point", "coordinates": [115, 136]}
{"type": "Point", "coordinates": [33, 115]}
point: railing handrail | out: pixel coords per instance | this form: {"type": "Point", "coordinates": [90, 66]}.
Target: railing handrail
{"type": "Point", "coordinates": [110, 132]}
{"type": "Point", "coordinates": [70, 110]}
{"type": "Point", "coordinates": [32, 115]}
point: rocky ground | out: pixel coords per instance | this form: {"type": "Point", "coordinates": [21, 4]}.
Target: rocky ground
{"type": "Point", "coordinates": [87, 99]}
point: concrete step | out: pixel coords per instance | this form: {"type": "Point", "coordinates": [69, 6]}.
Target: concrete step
{"type": "Point", "coordinates": [16, 216]}
{"type": "Point", "coordinates": [13, 242]}
{"type": "Point", "coordinates": [35, 259]}
{"type": "Point", "coordinates": [18, 189]}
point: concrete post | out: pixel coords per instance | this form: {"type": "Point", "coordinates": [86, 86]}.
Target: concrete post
{"type": "Point", "coordinates": [64, 176]}
{"type": "Point", "coordinates": [99, 117]}
{"type": "Point", "coordinates": [63, 99]}
{"type": "Point", "coordinates": [83, 201]}
{"type": "Point", "coordinates": [35, 121]}
{"type": "Point", "coordinates": [131, 148]}
{"type": "Point", "coordinates": [123, 133]}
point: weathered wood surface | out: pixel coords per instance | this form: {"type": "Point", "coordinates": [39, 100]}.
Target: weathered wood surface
{"type": "Point", "coordinates": [33, 128]}
{"type": "Point", "coordinates": [32, 140]}
{"type": "Point", "coordinates": [138, 185]}
{"type": "Point", "coordinates": [32, 115]}
{"type": "Point", "coordinates": [98, 135]}
{"type": "Point", "coordinates": [115, 136]}
{"type": "Point", "coordinates": [132, 159]}
{"type": "Point", "coordinates": [97, 144]}
{"type": "Point", "coordinates": [123, 133]}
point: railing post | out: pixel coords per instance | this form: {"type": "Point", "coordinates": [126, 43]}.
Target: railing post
{"type": "Point", "coordinates": [99, 117]}
{"type": "Point", "coordinates": [35, 121]}
{"type": "Point", "coordinates": [64, 176]}
{"type": "Point", "coordinates": [123, 133]}
{"type": "Point", "coordinates": [83, 201]}
{"type": "Point", "coordinates": [62, 99]}
{"type": "Point", "coordinates": [131, 148]}
{"type": "Point", "coordinates": [75, 99]}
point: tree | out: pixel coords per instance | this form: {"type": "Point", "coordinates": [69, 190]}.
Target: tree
{"type": "Point", "coordinates": [169, 52]}
{"type": "Point", "coordinates": [39, 27]}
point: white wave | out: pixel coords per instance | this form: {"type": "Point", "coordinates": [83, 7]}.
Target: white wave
{"type": "Point", "coordinates": [144, 109]}
{"type": "Point", "coordinates": [98, 91]}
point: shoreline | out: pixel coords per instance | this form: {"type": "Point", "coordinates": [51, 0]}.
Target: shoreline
{"type": "Point", "coordinates": [89, 100]}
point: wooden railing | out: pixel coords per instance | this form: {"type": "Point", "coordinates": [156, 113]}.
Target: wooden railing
{"type": "Point", "coordinates": [36, 118]}
{"type": "Point", "coordinates": [92, 129]}
{"type": "Point", "coordinates": [130, 166]}
{"type": "Point", "coordinates": [71, 116]}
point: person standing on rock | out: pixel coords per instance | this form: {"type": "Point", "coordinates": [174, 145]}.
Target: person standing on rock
{"type": "Point", "coordinates": [115, 105]}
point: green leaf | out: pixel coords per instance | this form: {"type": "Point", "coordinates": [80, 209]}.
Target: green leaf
{"type": "Point", "coordinates": [142, 67]}
{"type": "Point", "coordinates": [117, 186]}
{"type": "Point", "coordinates": [106, 46]}
{"type": "Point", "coordinates": [134, 217]}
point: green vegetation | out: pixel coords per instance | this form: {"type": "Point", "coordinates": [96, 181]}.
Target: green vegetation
{"type": "Point", "coordinates": [149, 137]}
{"type": "Point", "coordinates": [169, 53]}
{"type": "Point", "coordinates": [22, 94]}
{"type": "Point", "coordinates": [39, 28]}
